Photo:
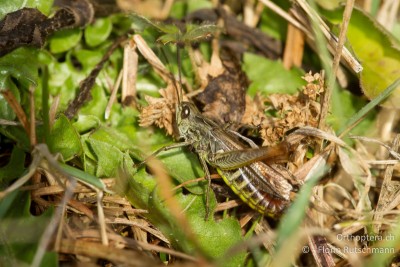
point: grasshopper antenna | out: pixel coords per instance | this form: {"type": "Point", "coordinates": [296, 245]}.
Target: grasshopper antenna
{"type": "Point", "coordinates": [178, 59]}
{"type": "Point", "coordinates": [174, 82]}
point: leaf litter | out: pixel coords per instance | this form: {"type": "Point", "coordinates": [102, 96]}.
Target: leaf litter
{"type": "Point", "coordinates": [342, 202]}
{"type": "Point", "coordinates": [300, 110]}
{"type": "Point", "coordinates": [224, 93]}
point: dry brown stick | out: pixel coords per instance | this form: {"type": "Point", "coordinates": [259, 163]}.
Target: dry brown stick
{"type": "Point", "coordinates": [130, 243]}
{"type": "Point", "coordinates": [325, 105]}
{"type": "Point", "coordinates": [115, 255]}
{"type": "Point", "coordinates": [86, 85]}
{"type": "Point", "coordinates": [52, 227]}
{"type": "Point", "coordinates": [16, 107]}
{"type": "Point", "coordinates": [383, 200]}
{"type": "Point", "coordinates": [32, 129]}
{"type": "Point", "coordinates": [278, 10]}
{"type": "Point", "coordinates": [113, 96]}
{"type": "Point", "coordinates": [129, 77]}
{"type": "Point", "coordinates": [294, 48]}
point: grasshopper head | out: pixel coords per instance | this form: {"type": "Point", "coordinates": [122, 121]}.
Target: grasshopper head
{"type": "Point", "coordinates": [185, 114]}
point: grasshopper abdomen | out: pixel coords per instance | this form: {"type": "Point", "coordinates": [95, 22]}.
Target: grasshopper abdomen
{"type": "Point", "coordinates": [249, 193]}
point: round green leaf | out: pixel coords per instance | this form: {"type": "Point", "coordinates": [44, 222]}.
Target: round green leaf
{"type": "Point", "coordinates": [43, 6]}
{"type": "Point", "coordinates": [65, 40]}
{"type": "Point", "coordinates": [98, 32]}
{"type": "Point", "coordinates": [269, 76]}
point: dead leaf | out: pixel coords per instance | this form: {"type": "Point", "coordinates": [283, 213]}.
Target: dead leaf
{"type": "Point", "coordinates": [224, 96]}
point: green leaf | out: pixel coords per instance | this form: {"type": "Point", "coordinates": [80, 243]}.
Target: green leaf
{"type": "Point", "coordinates": [139, 23]}
{"type": "Point", "coordinates": [344, 106]}
{"type": "Point", "coordinates": [59, 75]}
{"type": "Point", "coordinates": [20, 232]}
{"type": "Point", "coordinates": [7, 6]}
{"type": "Point", "coordinates": [269, 76]}
{"type": "Point", "coordinates": [368, 107]}
{"type": "Point", "coordinates": [214, 238]}
{"type": "Point", "coordinates": [178, 9]}
{"type": "Point", "coordinates": [378, 52]}
{"type": "Point", "coordinates": [112, 137]}
{"type": "Point", "coordinates": [193, 5]}
{"type": "Point", "coordinates": [329, 4]}
{"type": "Point", "coordinates": [18, 135]}
{"type": "Point", "coordinates": [168, 38]}
{"type": "Point", "coordinates": [107, 156]}
{"type": "Point", "coordinates": [6, 112]}
{"type": "Point", "coordinates": [64, 139]}
{"type": "Point", "coordinates": [19, 70]}
{"type": "Point", "coordinates": [14, 167]}
{"type": "Point", "coordinates": [98, 32]}
{"type": "Point", "coordinates": [195, 33]}
{"type": "Point", "coordinates": [83, 176]}
{"type": "Point", "coordinates": [184, 166]}
{"type": "Point", "coordinates": [85, 123]}
{"type": "Point", "coordinates": [88, 58]}
{"type": "Point", "coordinates": [97, 105]}
{"type": "Point", "coordinates": [273, 24]}
{"type": "Point", "coordinates": [43, 6]}
{"type": "Point", "coordinates": [64, 40]}
{"type": "Point", "coordinates": [21, 64]}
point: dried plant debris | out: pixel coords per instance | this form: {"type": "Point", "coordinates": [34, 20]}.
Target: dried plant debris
{"type": "Point", "coordinates": [85, 87]}
{"type": "Point", "coordinates": [224, 96]}
{"type": "Point", "coordinates": [301, 109]}
{"type": "Point", "coordinates": [160, 111]}
{"type": "Point", "coordinates": [29, 27]}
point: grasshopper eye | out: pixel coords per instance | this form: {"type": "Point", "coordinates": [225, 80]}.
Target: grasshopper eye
{"type": "Point", "coordinates": [185, 112]}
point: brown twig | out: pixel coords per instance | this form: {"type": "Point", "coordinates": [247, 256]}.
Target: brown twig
{"type": "Point", "coordinates": [86, 85]}
{"type": "Point", "coordinates": [113, 96]}
{"type": "Point", "coordinates": [325, 105]}
{"type": "Point", "coordinates": [16, 107]}
{"type": "Point", "coordinates": [384, 196]}
{"type": "Point", "coordinates": [130, 69]}
{"type": "Point", "coordinates": [115, 255]}
{"type": "Point", "coordinates": [294, 48]}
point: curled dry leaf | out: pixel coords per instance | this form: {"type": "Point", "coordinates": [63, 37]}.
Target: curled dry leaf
{"type": "Point", "coordinates": [224, 95]}
{"type": "Point", "coordinates": [298, 110]}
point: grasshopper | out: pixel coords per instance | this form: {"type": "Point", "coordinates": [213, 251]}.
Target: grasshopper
{"type": "Point", "coordinates": [236, 158]}
{"type": "Point", "coordinates": [256, 183]}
